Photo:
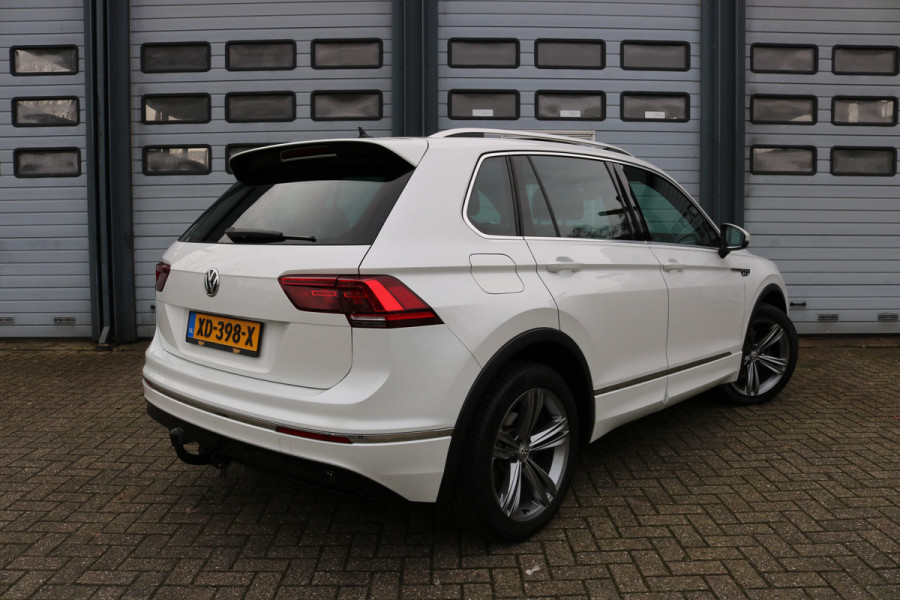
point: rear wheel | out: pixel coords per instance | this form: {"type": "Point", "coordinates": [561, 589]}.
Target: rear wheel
{"type": "Point", "coordinates": [519, 454]}
{"type": "Point", "coordinates": [769, 358]}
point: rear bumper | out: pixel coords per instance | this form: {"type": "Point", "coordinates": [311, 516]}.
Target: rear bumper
{"type": "Point", "coordinates": [394, 412]}
{"type": "Point", "coordinates": [305, 471]}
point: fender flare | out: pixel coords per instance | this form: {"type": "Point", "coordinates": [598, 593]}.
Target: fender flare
{"type": "Point", "coordinates": [529, 346]}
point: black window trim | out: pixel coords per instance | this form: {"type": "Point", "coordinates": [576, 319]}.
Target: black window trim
{"type": "Point", "coordinates": [891, 149]}
{"type": "Point", "coordinates": [229, 44]}
{"type": "Point", "coordinates": [316, 93]}
{"type": "Point", "coordinates": [815, 159]}
{"type": "Point", "coordinates": [58, 149]}
{"type": "Point", "coordinates": [14, 110]}
{"type": "Point", "coordinates": [312, 52]}
{"type": "Point", "coordinates": [599, 93]}
{"type": "Point", "coordinates": [145, 149]}
{"type": "Point", "coordinates": [815, 108]}
{"type": "Point", "coordinates": [815, 50]}
{"type": "Point", "coordinates": [483, 91]}
{"type": "Point", "coordinates": [893, 122]}
{"type": "Point", "coordinates": [177, 95]}
{"type": "Point", "coordinates": [230, 95]}
{"type": "Point", "coordinates": [515, 41]}
{"type": "Point", "coordinates": [686, 45]}
{"type": "Point", "coordinates": [584, 41]}
{"type": "Point", "coordinates": [162, 44]}
{"type": "Point", "coordinates": [895, 49]}
{"type": "Point", "coordinates": [12, 60]}
{"type": "Point", "coordinates": [685, 95]}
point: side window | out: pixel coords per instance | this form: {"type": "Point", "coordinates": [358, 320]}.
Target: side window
{"type": "Point", "coordinates": [584, 201]}
{"type": "Point", "coordinates": [490, 207]}
{"type": "Point", "coordinates": [671, 217]}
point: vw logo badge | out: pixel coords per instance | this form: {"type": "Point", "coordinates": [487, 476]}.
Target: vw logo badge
{"type": "Point", "coordinates": [211, 283]}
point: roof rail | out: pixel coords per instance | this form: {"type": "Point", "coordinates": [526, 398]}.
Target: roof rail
{"type": "Point", "coordinates": [527, 135]}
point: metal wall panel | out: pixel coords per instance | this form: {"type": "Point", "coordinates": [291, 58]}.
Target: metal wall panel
{"type": "Point", "coordinates": [164, 205]}
{"type": "Point", "coordinates": [44, 265]}
{"type": "Point", "coordinates": [833, 236]}
{"type": "Point", "coordinates": [671, 144]}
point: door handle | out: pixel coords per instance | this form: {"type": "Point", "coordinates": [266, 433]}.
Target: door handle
{"type": "Point", "coordinates": [565, 266]}
{"type": "Point", "coordinates": [673, 265]}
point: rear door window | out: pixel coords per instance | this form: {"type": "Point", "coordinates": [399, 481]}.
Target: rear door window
{"type": "Point", "coordinates": [336, 199]}
{"type": "Point", "coordinates": [571, 197]}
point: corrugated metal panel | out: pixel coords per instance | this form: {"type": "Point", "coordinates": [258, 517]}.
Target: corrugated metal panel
{"type": "Point", "coordinates": [674, 146]}
{"type": "Point", "coordinates": [44, 280]}
{"type": "Point", "coordinates": [165, 205]}
{"type": "Point", "coordinates": [834, 237]}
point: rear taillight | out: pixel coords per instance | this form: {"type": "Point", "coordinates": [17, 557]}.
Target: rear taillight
{"type": "Point", "coordinates": [162, 274]}
{"type": "Point", "coordinates": [367, 301]}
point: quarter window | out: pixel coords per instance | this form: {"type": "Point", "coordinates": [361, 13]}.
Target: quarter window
{"type": "Point", "coordinates": [671, 216]}
{"type": "Point", "coordinates": [490, 208]}
{"type": "Point", "coordinates": [583, 200]}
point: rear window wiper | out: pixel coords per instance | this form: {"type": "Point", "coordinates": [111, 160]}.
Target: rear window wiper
{"type": "Point", "coordinates": [263, 236]}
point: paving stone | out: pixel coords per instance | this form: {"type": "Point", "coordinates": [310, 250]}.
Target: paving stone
{"type": "Point", "coordinates": [799, 498]}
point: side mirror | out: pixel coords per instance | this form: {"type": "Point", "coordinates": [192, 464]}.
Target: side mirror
{"type": "Point", "coordinates": [732, 238]}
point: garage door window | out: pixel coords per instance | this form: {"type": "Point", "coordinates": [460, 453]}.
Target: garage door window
{"type": "Point", "coordinates": [43, 60]}
{"type": "Point", "coordinates": [176, 108]}
{"type": "Point", "coordinates": [784, 58]}
{"type": "Point", "coordinates": [864, 161]}
{"type": "Point", "coordinates": [45, 112]}
{"type": "Point", "coordinates": [651, 106]}
{"type": "Point", "coordinates": [790, 110]}
{"type": "Point", "coordinates": [864, 60]}
{"type": "Point", "coordinates": [347, 54]}
{"type": "Point", "coordinates": [268, 55]}
{"type": "Point", "coordinates": [656, 56]}
{"type": "Point", "coordinates": [569, 54]}
{"type": "Point", "coordinates": [864, 111]}
{"type": "Point", "coordinates": [175, 58]}
{"type": "Point", "coordinates": [783, 160]}
{"type": "Point", "coordinates": [47, 162]}
{"type": "Point", "coordinates": [570, 105]}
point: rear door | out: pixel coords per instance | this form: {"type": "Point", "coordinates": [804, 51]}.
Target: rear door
{"type": "Point", "coordinates": [706, 292]}
{"type": "Point", "coordinates": [606, 284]}
{"type": "Point", "coordinates": [310, 210]}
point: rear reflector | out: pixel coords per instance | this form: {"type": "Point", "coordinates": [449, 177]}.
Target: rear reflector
{"type": "Point", "coordinates": [367, 301]}
{"type": "Point", "coordinates": [314, 435]}
{"type": "Point", "coordinates": [162, 274]}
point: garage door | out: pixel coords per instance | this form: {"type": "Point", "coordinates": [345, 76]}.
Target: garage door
{"type": "Point", "coordinates": [822, 193]}
{"type": "Point", "coordinates": [44, 278]}
{"type": "Point", "coordinates": [211, 78]}
{"type": "Point", "coordinates": [628, 71]}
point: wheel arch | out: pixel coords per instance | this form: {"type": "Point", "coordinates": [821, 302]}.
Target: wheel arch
{"type": "Point", "coordinates": [545, 346]}
{"type": "Point", "coordinates": [772, 295]}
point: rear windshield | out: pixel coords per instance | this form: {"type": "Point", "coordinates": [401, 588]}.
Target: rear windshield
{"type": "Point", "coordinates": [336, 201]}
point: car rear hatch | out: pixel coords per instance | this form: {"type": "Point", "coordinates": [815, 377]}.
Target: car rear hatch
{"type": "Point", "coordinates": [311, 210]}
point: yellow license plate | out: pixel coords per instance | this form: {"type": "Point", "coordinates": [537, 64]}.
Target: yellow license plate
{"type": "Point", "coordinates": [224, 333]}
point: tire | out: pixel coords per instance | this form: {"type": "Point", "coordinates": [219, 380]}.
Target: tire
{"type": "Point", "coordinates": [519, 454]}
{"type": "Point", "coordinates": [768, 360]}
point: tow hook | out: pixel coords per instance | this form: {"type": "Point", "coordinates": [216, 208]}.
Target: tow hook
{"type": "Point", "coordinates": [204, 456]}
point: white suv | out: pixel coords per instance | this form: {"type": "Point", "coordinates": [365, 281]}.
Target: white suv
{"type": "Point", "coordinates": [452, 317]}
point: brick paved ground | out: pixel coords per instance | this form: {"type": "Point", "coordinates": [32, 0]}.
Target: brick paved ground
{"type": "Point", "coordinates": [795, 499]}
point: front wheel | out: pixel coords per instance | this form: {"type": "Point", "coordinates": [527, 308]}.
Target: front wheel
{"type": "Point", "coordinates": [519, 454]}
{"type": "Point", "coordinates": [768, 360]}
